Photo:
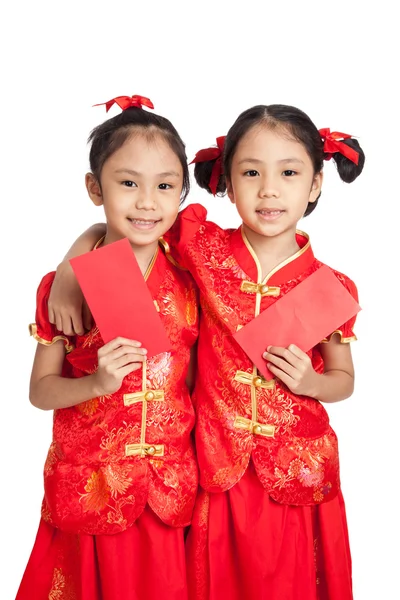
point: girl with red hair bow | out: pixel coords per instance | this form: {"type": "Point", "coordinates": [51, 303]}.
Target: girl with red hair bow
{"type": "Point", "coordinates": [120, 477]}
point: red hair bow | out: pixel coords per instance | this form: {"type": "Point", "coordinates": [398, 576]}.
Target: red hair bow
{"type": "Point", "coordinates": [125, 102]}
{"type": "Point", "coordinates": [212, 154]}
{"type": "Point", "coordinates": [333, 144]}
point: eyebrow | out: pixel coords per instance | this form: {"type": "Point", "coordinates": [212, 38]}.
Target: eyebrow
{"type": "Point", "coordinates": [137, 174]}
{"type": "Point", "coordinates": [291, 160]}
{"type": "Point", "coordinates": [256, 161]}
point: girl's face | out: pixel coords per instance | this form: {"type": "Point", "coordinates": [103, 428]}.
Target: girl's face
{"type": "Point", "coordinates": [272, 181]}
{"type": "Point", "coordinates": [140, 190]}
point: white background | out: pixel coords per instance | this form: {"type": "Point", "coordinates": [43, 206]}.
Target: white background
{"type": "Point", "coordinates": [202, 64]}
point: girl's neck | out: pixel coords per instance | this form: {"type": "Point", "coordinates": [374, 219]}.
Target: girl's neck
{"type": "Point", "coordinates": [144, 255]}
{"type": "Point", "coordinates": [271, 251]}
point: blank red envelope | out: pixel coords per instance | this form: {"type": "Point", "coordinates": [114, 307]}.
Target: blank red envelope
{"type": "Point", "coordinates": [118, 296]}
{"type": "Point", "coordinates": [304, 316]}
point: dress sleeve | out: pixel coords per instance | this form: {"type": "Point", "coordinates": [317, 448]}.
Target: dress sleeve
{"type": "Point", "coordinates": [346, 331]}
{"type": "Point", "coordinates": [178, 238]}
{"type": "Point", "coordinates": [42, 330]}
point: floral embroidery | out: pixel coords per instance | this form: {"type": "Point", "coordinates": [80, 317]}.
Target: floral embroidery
{"type": "Point", "coordinates": [97, 494]}
{"type": "Point", "coordinates": [91, 337]}
{"type": "Point", "coordinates": [117, 478]}
{"type": "Point", "coordinates": [277, 408]}
{"type": "Point", "coordinates": [319, 495]}
{"type": "Point", "coordinates": [57, 586]}
{"type": "Point", "coordinates": [89, 407]}
{"type": "Point", "coordinates": [159, 369]}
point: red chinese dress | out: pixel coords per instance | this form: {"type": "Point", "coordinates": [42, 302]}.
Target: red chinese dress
{"type": "Point", "coordinates": [121, 476]}
{"type": "Point", "coordinates": [269, 521]}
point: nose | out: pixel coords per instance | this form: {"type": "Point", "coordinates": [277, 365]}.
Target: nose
{"type": "Point", "coordinates": [268, 187]}
{"type": "Point", "coordinates": [145, 200]}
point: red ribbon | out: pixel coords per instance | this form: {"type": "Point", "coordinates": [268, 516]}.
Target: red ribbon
{"type": "Point", "coordinates": [333, 144]}
{"type": "Point", "coordinates": [125, 102]}
{"type": "Point", "coordinates": [212, 154]}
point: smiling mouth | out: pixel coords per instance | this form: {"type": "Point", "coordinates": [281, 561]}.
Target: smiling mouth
{"type": "Point", "coordinates": [269, 214]}
{"type": "Point", "coordinates": [144, 223]}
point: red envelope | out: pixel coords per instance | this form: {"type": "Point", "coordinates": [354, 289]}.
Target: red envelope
{"type": "Point", "coordinates": [304, 316]}
{"type": "Point", "coordinates": [118, 296]}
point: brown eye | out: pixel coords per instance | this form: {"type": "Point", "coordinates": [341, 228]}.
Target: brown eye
{"type": "Point", "coordinates": [251, 173]}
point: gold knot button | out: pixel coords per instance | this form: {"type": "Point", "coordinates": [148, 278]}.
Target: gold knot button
{"type": "Point", "coordinates": [151, 450]}
{"type": "Point", "coordinates": [264, 289]}
{"type": "Point", "coordinates": [257, 381]}
{"type": "Point", "coordinates": [257, 429]}
{"type": "Point", "coordinates": [149, 396]}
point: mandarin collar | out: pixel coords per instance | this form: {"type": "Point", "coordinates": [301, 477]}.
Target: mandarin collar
{"type": "Point", "coordinates": [288, 269]}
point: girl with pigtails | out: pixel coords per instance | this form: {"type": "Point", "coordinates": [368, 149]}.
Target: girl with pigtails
{"type": "Point", "coordinates": [269, 521]}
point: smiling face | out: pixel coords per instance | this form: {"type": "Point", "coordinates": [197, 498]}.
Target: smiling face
{"type": "Point", "coordinates": [140, 189]}
{"type": "Point", "coordinates": [272, 181]}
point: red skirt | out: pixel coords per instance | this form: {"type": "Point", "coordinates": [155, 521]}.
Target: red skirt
{"type": "Point", "coordinates": [145, 562]}
{"type": "Point", "coordinates": [242, 544]}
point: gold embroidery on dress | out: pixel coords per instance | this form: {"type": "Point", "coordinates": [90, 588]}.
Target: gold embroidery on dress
{"type": "Point", "coordinates": [279, 410]}
{"type": "Point", "coordinates": [61, 587]}
{"type": "Point", "coordinates": [89, 407]}
{"type": "Point", "coordinates": [191, 307]}
{"type": "Point", "coordinates": [57, 585]}
{"type": "Point", "coordinates": [117, 478]}
{"type": "Point", "coordinates": [97, 492]}
{"type": "Point", "coordinates": [91, 337]}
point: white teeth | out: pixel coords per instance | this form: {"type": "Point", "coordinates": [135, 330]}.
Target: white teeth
{"type": "Point", "coordinates": [142, 222]}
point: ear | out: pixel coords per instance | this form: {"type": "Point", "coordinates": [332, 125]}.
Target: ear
{"type": "Point", "coordinates": [229, 191]}
{"type": "Point", "coordinates": [316, 187]}
{"type": "Point", "coordinates": [94, 189]}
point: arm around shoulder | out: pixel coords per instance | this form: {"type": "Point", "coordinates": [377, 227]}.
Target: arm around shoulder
{"type": "Point", "coordinates": [67, 309]}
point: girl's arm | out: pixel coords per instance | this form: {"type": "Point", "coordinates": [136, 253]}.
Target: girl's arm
{"type": "Point", "coordinates": [293, 367]}
{"type": "Point", "coordinates": [67, 308]}
{"type": "Point", "coordinates": [49, 390]}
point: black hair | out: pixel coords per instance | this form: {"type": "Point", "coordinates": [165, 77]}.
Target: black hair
{"type": "Point", "coordinates": [107, 138]}
{"type": "Point", "coordinates": [298, 125]}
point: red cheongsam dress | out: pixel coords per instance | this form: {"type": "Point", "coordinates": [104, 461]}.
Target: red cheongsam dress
{"type": "Point", "coordinates": [121, 476]}
{"type": "Point", "coordinates": [269, 522]}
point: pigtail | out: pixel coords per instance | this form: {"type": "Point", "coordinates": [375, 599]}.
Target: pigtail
{"type": "Point", "coordinates": [202, 174]}
{"type": "Point", "coordinates": [347, 169]}
{"type": "Point", "coordinates": [346, 153]}
{"type": "Point", "coordinates": [208, 170]}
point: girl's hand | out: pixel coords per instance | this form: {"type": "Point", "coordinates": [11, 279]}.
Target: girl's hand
{"type": "Point", "coordinates": [68, 310]}
{"type": "Point", "coordinates": [117, 359]}
{"type": "Point", "coordinates": [293, 367]}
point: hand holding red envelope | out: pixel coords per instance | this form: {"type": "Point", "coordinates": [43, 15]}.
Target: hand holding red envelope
{"type": "Point", "coordinates": [119, 298]}
{"type": "Point", "coordinates": [304, 316]}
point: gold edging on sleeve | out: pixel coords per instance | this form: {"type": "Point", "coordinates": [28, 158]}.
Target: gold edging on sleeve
{"type": "Point", "coordinates": [33, 332]}
{"type": "Point", "coordinates": [343, 340]}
